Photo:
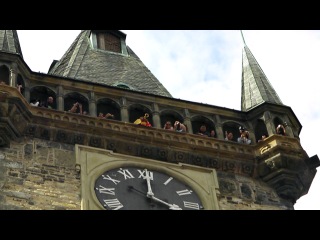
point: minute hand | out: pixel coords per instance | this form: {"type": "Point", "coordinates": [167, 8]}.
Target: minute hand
{"type": "Point", "coordinates": [149, 193]}
{"type": "Point", "coordinates": [171, 206]}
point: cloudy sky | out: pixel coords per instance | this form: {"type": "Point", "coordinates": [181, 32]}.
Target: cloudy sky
{"type": "Point", "coordinates": [205, 66]}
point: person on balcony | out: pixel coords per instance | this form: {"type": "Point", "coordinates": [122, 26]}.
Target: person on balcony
{"type": "Point", "coordinates": [168, 126]}
{"type": "Point", "coordinates": [143, 121]}
{"type": "Point", "coordinates": [179, 127]}
{"type": "Point", "coordinates": [281, 130]}
{"type": "Point", "coordinates": [203, 131]}
{"type": "Point", "coordinates": [229, 136]}
{"type": "Point", "coordinates": [47, 103]}
{"type": "Point", "coordinates": [244, 136]}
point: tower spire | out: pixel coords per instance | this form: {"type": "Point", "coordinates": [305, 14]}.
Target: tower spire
{"type": "Point", "coordinates": [9, 41]}
{"type": "Point", "coordinates": [255, 89]}
{"type": "Point", "coordinates": [244, 42]}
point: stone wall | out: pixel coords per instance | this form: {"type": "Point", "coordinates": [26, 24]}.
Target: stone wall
{"type": "Point", "coordinates": [40, 175]}
{"type": "Point", "coordinates": [243, 193]}
{"type": "Point", "coordinates": [37, 174]}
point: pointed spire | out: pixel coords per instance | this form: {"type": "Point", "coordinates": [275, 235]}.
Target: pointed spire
{"type": "Point", "coordinates": [244, 42]}
{"type": "Point", "coordinates": [256, 89]}
{"type": "Point", "coordinates": [9, 42]}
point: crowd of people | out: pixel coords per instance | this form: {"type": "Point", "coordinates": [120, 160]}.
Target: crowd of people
{"type": "Point", "coordinates": [48, 103]}
{"type": "Point", "coordinates": [76, 107]}
{"type": "Point", "coordinates": [177, 126]}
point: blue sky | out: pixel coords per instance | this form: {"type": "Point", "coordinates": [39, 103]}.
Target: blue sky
{"type": "Point", "coordinates": [205, 66]}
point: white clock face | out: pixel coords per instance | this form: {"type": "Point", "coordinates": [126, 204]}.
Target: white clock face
{"type": "Point", "coordinates": [135, 188]}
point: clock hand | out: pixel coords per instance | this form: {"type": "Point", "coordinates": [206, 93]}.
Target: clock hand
{"type": "Point", "coordinates": [150, 194]}
{"type": "Point", "coordinates": [133, 188]}
{"type": "Point", "coordinates": [147, 177]}
{"type": "Point", "coordinates": [171, 206]}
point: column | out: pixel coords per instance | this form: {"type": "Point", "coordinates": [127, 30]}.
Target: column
{"type": "Point", "coordinates": [13, 75]}
{"type": "Point", "coordinates": [92, 105]}
{"type": "Point", "coordinates": [60, 99]}
{"type": "Point", "coordinates": [252, 135]}
{"type": "Point", "coordinates": [269, 123]}
{"type": "Point", "coordinates": [186, 120]}
{"type": "Point", "coordinates": [219, 129]}
{"type": "Point", "coordinates": [26, 90]}
{"type": "Point", "coordinates": [156, 116]}
{"type": "Point", "coordinates": [287, 126]}
{"type": "Point", "coordinates": [124, 110]}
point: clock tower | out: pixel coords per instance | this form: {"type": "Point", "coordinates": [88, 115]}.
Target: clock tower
{"type": "Point", "coordinates": [54, 158]}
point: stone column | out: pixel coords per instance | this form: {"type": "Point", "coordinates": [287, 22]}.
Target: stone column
{"type": "Point", "coordinates": [60, 99]}
{"type": "Point", "coordinates": [252, 135]}
{"type": "Point", "coordinates": [13, 75]}
{"type": "Point", "coordinates": [124, 110]}
{"type": "Point", "coordinates": [187, 121]}
{"type": "Point", "coordinates": [219, 129]}
{"type": "Point", "coordinates": [26, 90]}
{"type": "Point", "coordinates": [269, 123]}
{"type": "Point", "coordinates": [92, 105]}
{"type": "Point", "coordinates": [289, 131]}
{"type": "Point", "coordinates": [156, 116]}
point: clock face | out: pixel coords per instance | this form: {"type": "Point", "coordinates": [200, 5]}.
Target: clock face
{"type": "Point", "coordinates": [131, 188]}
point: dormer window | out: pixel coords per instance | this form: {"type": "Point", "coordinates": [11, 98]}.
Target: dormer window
{"type": "Point", "coordinates": [109, 42]}
{"type": "Point", "coordinates": [123, 86]}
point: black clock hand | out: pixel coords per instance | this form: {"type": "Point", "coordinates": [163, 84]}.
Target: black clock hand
{"type": "Point", "coordinates": [132, 188]}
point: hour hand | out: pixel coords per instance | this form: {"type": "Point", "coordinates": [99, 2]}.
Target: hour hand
{"type": "Point", "coordinates": [147, 177]}
{"type": "Point", "coordinates": [171, 206]}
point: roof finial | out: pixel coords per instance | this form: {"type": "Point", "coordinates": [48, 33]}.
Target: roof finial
{"type": "Point", "coordinates": [244, 42]}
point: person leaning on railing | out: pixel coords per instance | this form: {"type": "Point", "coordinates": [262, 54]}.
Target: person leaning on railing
{"type": "Point", "coordinates": [179, 127]}
{"type": "Point", "coordinates": [281, 130]}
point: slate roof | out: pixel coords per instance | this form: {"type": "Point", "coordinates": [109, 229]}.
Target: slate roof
{"type": "Point", "coordinates": [256, 88]}
{"type": "Point", "coordinates": [82, 61]}
{"type": "Point", "coordinates": [9, 42]}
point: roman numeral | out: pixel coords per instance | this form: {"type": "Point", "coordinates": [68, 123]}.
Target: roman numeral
{"type": "Point", "coordinates": [110, 179]}
{"type": "Point", "coordinates": [114, 204]}
{"type": "Point", "coordinates": [105, 190]}
{"type": "Point", "coordinates": [184, 192]}
{"type": "Point", "coordinates": [191, 205]}
{"type": "Point", "coordinates": [143, 174]}
{"type": "Point", "coordinates": [126, 173]}
{"type": "Point", "coordinates": [169, 179]}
